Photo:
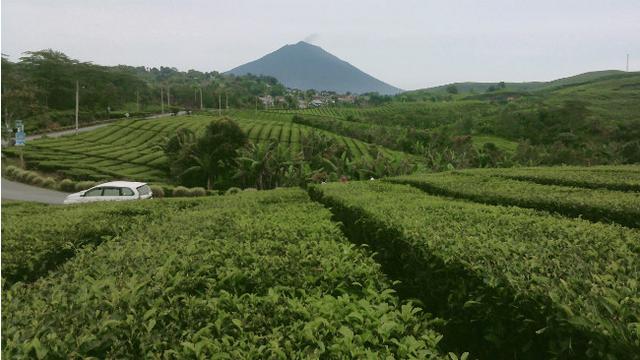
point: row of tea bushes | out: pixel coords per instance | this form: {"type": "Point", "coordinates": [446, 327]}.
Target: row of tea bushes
{"type": "Point", "coordinates": [255, 275]}
{"type": "Point", "coordinates": [622, 178]}
{"type": "Point", "coordinates": [515, 283]}
{"type": "Point", "coordinates": [593, 204]}
{"type": "Point", "coordinates": [37, 238]}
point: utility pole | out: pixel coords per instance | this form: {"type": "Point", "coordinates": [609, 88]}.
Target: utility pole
{"type": "Point", "coordinates": [219, 104]}
{"type": "Point", "coordinates": [138, 100]}
{"type": "Point", "coordinates": [201, 107]}
{"type": "Point", "coordinates": [627, 62]}
{"type": "Point", "coordinates": [77, 103]}
{"type": "Point", "coordinates": [162, 99]}
{"type": "Point", "coordinates": [256, 104]}
{"type": "Point", "coordinates": [168, 96]}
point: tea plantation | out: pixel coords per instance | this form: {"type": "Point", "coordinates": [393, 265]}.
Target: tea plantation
{"type": "Point", "coordinates": [522, 263]}
{"type": "Point", "coordinates": [130, 149]}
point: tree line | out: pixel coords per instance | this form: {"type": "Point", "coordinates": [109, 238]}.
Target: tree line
{"type": "Point", "coordinates": [40, 89]}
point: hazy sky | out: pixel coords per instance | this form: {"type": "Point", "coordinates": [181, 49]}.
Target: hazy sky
{"type": "Point", "coordinates": [409, 44]}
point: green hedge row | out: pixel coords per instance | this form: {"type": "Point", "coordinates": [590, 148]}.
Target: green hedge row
{"type": "Point", "coordinates": [623, 179]}
{"type": "Point", "coordinates": [260, 275]}
{"type": "Point", "coordinates": [512, 283]}
{"type": "Point", "coordinates": [37, 238]}
{"type": "Point", "coordinates": [596, 205]}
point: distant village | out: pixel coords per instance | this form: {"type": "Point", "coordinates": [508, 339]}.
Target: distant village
{"type": "Point", "coordinates": [311, 99]}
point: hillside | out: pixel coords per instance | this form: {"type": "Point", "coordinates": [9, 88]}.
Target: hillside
{"type": "Point", "coordinates": [585, 120]}
{"type": "Point", "coordinates": [481, 87]}
{"type": "Point", "coordinates": [131, 149]}
{"type": "Point", "coordinates": [305, 66]}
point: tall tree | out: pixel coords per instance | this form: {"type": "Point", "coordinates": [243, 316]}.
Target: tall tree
{"type": "Point", "coordinates": [215, 151]}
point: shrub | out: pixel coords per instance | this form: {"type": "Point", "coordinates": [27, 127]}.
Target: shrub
{"type": "Point", "coordinates": [10, 171]}
{"type": "Point", "coordinates": [166, 190]}
{"type": "Point", "coordinates": [67, 185]}
{"type": "Point", "coordinates": [489, 267]}
{"type": "Point", "coordinates": [37, 180]}
{"type": "Point", "coordinates": [157, 191]}
{"type": "Point", "coordinates": [30, 177]}
{"type": "Point", "coordinates": [232, 190]}
{"type": "Point", "coordinates": [19, 175]}
{"type": "Point", "coordinates": [197, 191]}
{"type": "Point", "coordinates": [180, 191]}
{"type": "Point", "coordinates": [84, 185]}
{"type": "Point", "coordinates": [250, 189]}
{"type": "Point", "coordinates": [49, 183]}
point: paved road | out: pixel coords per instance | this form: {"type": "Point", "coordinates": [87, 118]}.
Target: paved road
{"type": "Point", "coordinates": [66, 132]}
{"type": "Point", "coordinates": [12, 190]}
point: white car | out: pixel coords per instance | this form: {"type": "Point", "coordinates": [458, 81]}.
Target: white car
{"type": "Point", "coordinates": [111, 191]}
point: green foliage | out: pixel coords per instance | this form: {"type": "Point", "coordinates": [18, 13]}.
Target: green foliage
{"type": "Point", "coordinates": [40, 89]}
{"type": "Point", "coordinates": [180, 191]}
{"type": "Point", "coordinates": [135, 150]}
{"type": "Point", "coordinates": [232, 191]}
{"type": "Point", "coordinates": [67, 185]}
{"type": "Point", "coordinates": [510, 281]}
{"type": "Point", "coordinates": [197, 191]}
{"type": "Point", "coordinates": [49, 183]}
{"type": "Point", "coordinates": [85, 185]}
{"type": "Point", "coordinates": [623, 178]}
{"type": "Point", "coordinates": [597, 205]}
{"type": "Point", "coordinates": [37, 238]}
{"type": "Point", "coordinates": [10, 170]}
{"type": "Point", "coordinates": [256, 275]}
{"type": "Point", "coordinates": [157, 191]}
{"type": "Point", "coordinates": [208, 156]}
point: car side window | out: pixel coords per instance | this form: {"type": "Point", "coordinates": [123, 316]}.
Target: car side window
{"type": "Point", "coordinates": [111, 192]}
{"type": "Point", "coordinates": [126, 192]}
{"type": "Point", "coordinates": [94, 192]}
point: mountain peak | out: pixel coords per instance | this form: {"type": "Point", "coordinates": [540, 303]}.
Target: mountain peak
{"type": "Point", "coordinates": [306, 66]}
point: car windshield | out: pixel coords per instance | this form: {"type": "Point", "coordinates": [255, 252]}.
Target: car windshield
{"type": "Point", "coordinates": [144, 190]}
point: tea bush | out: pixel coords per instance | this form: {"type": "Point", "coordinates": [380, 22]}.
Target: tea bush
{"type": "Point", "coordinates": [84, 185]}
{"type": "Point", "coordinates": [256, 275]}
{"type": "Point", "coordinates": [593, 204]}
{"type": "Point", "coordinates": [509, 280]}
{"type": "Point", "coordinates": [67, 185]}
{"type": "Point", "coordinates": [197, 191]}
{"type": "Point", "coordinates": [157, 191]}
{"type": "Point", "coordinates": [180, 191]}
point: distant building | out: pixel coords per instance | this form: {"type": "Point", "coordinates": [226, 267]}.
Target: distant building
{"type": "Point", "coordinates": [347, 99]}
{"type": "Point", "coordinates": [266, 100]}
{"type": "Point", "coordinates": [302, 104]}
{"type": "Point", "coordinates": [316, 103]}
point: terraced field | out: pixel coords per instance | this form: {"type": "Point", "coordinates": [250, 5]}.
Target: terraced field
{"type": "Point", "coordinates": [129, 149]}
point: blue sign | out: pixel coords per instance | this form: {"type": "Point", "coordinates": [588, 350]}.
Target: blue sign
{"type": "Point", "coordinates": [21, 138]}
